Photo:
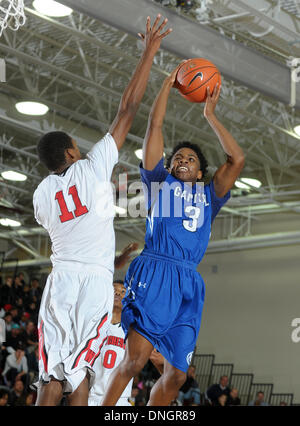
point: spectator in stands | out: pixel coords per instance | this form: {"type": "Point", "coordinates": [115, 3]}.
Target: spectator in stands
{"type": "Point", "coordinates": [176, 402]}
{"type": "Point", "coordinates": [22, 278]}
{"type": "Point", "coordinates": [134, 393]}
{"type": "Point", "coordinates": [35, 291]}
{"type": "Point", "coordinates": [18, 395]}
{"type": "Point", "coordinates": [190, 391]}
{"type": "Point", "coordinates": [29, 402]}
{"type": "Point", "coordinates": [222, 401]}
{"type": "Point", "coordinates": [33, 365]}
{"type": "Point", "coordinates": [30, 337]}
{"type": "Point", "coordinates": [26, 295]}
{"type": "Point", "coordinates": [8, 321]}
{"type": "Point", "coordinates": [283, 404]}
{"type": "Point", "coordinates": [24, 320]}
{"type": "Point", "coordinates": [33, 310]}
{"type": "Point", "coordinates": [7, 292]}
{"type": "Point", "coordinates": [20, 305]}
{"type": "Point", "coordinates": [18, 288]}
{"type": "Point", "coordinates": [214, 391]}
{"type": "Point", "coordinates": [16, 367]}
{"type": "Point", "coordinates": [3, 398]}
{"type": "Point", "coordinates": [259, 401]}
{"type": "Point", "coordinates": [14, 337]}
{"type": "Point", "coordinates": [233, 398]}
{"type": "Point", "coordinates": [15, 314]}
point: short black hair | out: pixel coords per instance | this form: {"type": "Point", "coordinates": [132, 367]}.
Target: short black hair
{"type": "Point", "coordinates": [51, 149]}
{"type": "Point", "coordinates": [194, 147]}
{"type": "Point", "coordinates": [118, 282]}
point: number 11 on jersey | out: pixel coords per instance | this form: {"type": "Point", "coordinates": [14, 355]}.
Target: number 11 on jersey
{"type": "Point", "coordinates": [65, 213]}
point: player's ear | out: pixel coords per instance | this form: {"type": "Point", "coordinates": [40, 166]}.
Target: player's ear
{"type": "Point", "coordinates": [199, 175]}
{"type": "Point", "coordinates": [70, 154]}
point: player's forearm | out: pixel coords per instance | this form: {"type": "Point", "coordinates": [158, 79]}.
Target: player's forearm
{"type": "Point", "coordinates": [135, 90]}
{"type": "Point", "coordinates": [159, 107]}
{"type": "Point", "coordinates": [153, 146]}
{"type": "Point", "coordinates": [230, 146]}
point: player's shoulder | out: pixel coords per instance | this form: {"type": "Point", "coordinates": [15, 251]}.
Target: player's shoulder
{"type": "Point", "coordinates": [41, 186]}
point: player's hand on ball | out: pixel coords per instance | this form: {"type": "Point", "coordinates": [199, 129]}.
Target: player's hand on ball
{"type": "Point", "coordinates": [154, 35]}
{"type": "Point", "coordinates": [172, 77]}
{"type": "Point", "coordinates": [211, 101]}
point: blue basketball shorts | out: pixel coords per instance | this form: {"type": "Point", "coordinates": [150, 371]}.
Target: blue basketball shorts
{"type": "Point", "coordinates": [163, 303]}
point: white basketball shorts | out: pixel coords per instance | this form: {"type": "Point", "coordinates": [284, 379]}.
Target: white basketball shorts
{"type": "Point", "coordinates": [75, 312]}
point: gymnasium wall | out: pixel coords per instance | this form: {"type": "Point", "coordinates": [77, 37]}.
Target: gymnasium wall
{"type": "Point", "coordinates": [252, 296]}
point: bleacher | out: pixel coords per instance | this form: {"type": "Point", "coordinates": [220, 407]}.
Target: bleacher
{"type": "Point", "coordinates": [208, 372]}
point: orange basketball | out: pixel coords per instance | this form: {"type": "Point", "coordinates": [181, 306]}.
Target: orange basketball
{"type": "Point", "coordinates": [194, 76]}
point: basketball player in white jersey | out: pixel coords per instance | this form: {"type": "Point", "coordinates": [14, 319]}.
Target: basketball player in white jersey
{"type": "Point", "coordinates": [75, 205]}
{"type": "Point", "coordinates": [112, 353]}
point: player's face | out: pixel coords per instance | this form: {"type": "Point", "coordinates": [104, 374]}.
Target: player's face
{"type": "Point", "coordinates": [119, 293]}
{"type": "Point", "coordinates": [185, 165]}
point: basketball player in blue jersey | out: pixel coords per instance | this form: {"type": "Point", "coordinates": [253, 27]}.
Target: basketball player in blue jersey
{"type": "Point", "coordinates": [165, 293]}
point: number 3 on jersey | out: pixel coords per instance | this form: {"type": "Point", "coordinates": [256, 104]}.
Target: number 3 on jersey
{"type": "Point", "coordinates": [65, 213]}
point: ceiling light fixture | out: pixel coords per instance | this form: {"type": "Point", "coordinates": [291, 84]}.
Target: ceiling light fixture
{"type": "Point", "coordinates": [297, 129]}
{"type": "Point", "coordinates": [31, 108]}
{"type": "Point", "coordinates": [11, 175]}
{"type": "Point", "coordinates": [139, 153]}
{"type": "Point", "coordinates": [9, 222]}
{"type": "Point", "coordinates": [51, 8]}
{"type": "Point", "coordinates": [248, 183]}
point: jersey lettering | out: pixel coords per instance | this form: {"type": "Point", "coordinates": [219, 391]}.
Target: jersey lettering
{"type": "Point", "coordinates": [66, 215]}
{"type": "Point", "coordinates": [193, 213]}
{"type": "Point", "coordinates": [109, 359]}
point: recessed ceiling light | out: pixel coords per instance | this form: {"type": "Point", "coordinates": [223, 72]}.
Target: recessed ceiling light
{"type": "Point", "coordinates": [9, 222]}
{"type": "Point", "coordinates": [32, 108]}
{"type": "Point", "coordinates": [51, 8]}
{"type": "Point", "coordinates": [11, 175]}
{"type": "Point", "coordinates": [139, 153]}
{"type": "Point", "coordinates": [247, 183]}
{"type": "Point", "coordinates": [297, 130]}
{"type": "Point", "coordinates": [252, 182]}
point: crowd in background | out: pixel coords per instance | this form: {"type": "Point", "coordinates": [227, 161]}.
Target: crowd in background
{"type": "Point", "coordinates": [19, 306]}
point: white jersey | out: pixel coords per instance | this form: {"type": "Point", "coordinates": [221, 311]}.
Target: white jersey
{"type": "Point", "coordinates": [112, 354]}
{"type": "Point", "coordinates": [77, 210]}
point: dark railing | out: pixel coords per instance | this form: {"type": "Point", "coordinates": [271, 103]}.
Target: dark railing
{"type": "Point", "coordinates": [242, 382]}
{"type": "Point", "coordinates": [203, 364]}
{"type": "Point", "coordinates": [266, 388]}
{"type": "Point", "coordinates": [208, 372]}
{"type": "Point", "coordinates": [277, 398]}
{"type": "Point", "coordinates": [219, 370]}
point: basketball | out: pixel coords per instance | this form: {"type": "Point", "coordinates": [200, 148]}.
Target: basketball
{"type": "Point", "coordinates": [193, 78]}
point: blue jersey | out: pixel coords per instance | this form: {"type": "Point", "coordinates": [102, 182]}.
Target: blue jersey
{"type": "Point", "coordinates": [179, 215]}
{"type": "Point", "coordinates": [165, 293]}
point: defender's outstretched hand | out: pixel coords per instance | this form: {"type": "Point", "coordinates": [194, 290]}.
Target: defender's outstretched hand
{"type": "Point", "coordinates": [153, 36]}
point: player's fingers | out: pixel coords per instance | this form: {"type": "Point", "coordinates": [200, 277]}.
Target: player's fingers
{"type": "Point", "coordinates": [156, 22]}
{"type": "Point", "coordinates": [208, 92]}
{"type": "Point", "coordinates": [166, 33]}
{"type": "Point", "coordinates": [148, 24]}
{"type": "Point", "coordinates": [163, 24]}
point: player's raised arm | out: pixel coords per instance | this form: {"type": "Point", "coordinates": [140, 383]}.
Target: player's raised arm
{"type": "Point", "coordinates": [153, 146]}
{"type": "Point", "coordinates": [226, 174]}
{"type": "Point", "coordinates": [135, 90]}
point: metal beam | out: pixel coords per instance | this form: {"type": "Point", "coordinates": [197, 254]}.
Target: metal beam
{"type": "Point", "coordinates": [190, 39]}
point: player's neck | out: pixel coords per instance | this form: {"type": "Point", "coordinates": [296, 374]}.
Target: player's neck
{"type": "Point", "coordinates": [116, 317]}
